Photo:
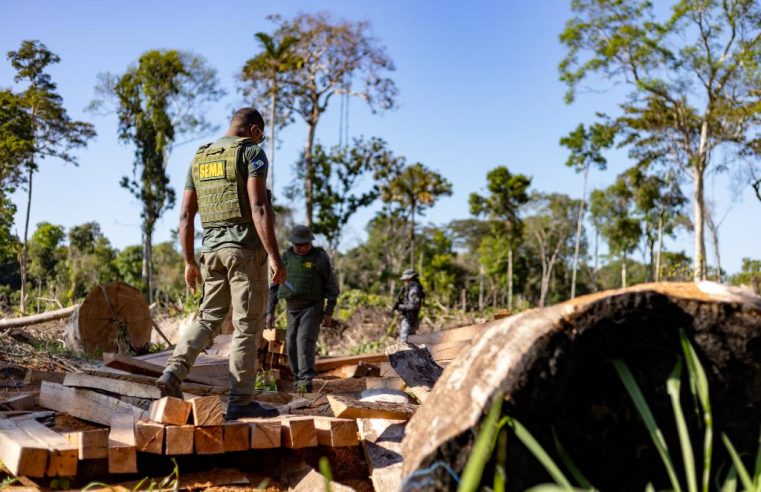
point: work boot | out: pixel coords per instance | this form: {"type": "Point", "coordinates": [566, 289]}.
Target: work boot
{"type": "Point", "coordinates": [169, 385]}
{"type": "Point", "coordinates": [253, 409]}
{"type": "Point", "coordinates": [303, 387]}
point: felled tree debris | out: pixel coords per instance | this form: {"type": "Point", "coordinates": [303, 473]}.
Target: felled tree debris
{"type": "Point", "coordinates": [554, 368]}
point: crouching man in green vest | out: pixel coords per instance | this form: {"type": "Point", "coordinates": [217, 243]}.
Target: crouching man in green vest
{"type": "Point", "coordinates": [226, 185]}
{"type": "Point", "coordinates": [310, 282]}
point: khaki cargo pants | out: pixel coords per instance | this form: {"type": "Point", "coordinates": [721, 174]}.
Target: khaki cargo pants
{"type": "Point", "coordinates": [230, 276]}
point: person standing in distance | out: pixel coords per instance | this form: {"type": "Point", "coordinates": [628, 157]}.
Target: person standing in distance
{"type": "Point", "coordinates": [226, 185]}
{"type": "Point", "coordinates": [409, 303]}
{"type": "Point", "coordinates": [310, 282]}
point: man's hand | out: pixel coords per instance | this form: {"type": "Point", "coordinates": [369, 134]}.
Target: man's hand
{"type": "Point", "coordinates": [192, 276]}
{"type": "Point", "coordinates": [269, 320]}
{"type": "Point", "coordinates": [278, 271]}
{"type": "Point", "coordinates": [327, 320]}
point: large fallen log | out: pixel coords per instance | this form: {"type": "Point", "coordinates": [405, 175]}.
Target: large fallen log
{"type": "Point", "coordinates": [114, 317]}
{"type": "Point", "coordinates": [34, 319]}
{"type": "Point", "coordinates": [415, 366]}
{"type": "Point", "coordinates": [553, 367]}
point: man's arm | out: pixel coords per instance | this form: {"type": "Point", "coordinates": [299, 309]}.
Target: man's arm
{"type": "Point", "coordinates": [188, 211]}
{"type": "Point", "coordinates": [264, 222]}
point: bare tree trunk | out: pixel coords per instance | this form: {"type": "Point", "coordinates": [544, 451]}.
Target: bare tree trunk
{"type": "Point", "coordinates": [510, 279]}
{"type": "Point", "coordinates": [412, 237]}
{"type": "Point", "coordinates": [713, 229]}
{"type": "Point", "coordinates": [699, 265]}
{"type": "Point", "coordinates": [147, 272]}
{"type": "Point", "coordinates": [578, 233]}
{"type": "Point", "coordinates": [25, 246]}
{"type": "Point", "coordinates": [659, 250]}
{"type": "Point", "coordinates": [309, 172]}
{"type": "Point", "coordinates": [481, 288]}
{"type": "Point", "coordinates": [623, 272]}
{"type": "Point", "coordinates": [464, 300]}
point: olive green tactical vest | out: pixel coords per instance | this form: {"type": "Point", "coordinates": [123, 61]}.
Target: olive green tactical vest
{"type": "Point", "coordinates": [221, 191]}
{"type": "Point", "coordinates": [307, 283]}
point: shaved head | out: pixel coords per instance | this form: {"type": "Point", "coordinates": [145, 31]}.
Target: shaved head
{"type": "Point", "coordinates": [245, 117]}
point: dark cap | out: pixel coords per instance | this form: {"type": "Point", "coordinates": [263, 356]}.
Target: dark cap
{"type": "Point", "coordinates": [301, 234]}
{"type": "Point", "coordinates": [409, 274]}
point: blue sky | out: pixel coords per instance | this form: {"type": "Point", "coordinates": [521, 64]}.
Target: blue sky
{"type": "Point", "coordinates": [478, 88]}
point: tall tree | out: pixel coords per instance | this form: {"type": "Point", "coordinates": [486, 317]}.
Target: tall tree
{"type": "Point", "coordinates": [551, 224]}
{"type": "Point", "coordinates": [694, 75]}
{"type": "Point", "coordinates": [262, 75]}
{"type": "Point", "coordinates": [586, 146]}
{"type": "Point", "coordinates": [333, 56]}
{"type": "Point", "coordinates": [159, 100]}
{"type": "Point", "coordinates": [53, 133]}
{"type": "Point", "coordinates": [340, 177]}
{"type": "Point", "coordinates": [507, 193]}
{"type": "Point", "coordinates": [413, 190]}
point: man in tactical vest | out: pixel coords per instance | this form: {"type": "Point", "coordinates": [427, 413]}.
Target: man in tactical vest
{"type": "Point", "coordinates": [226, 185]}
{"type": "Point", "coordinates": [310, 282]}
{"type": "Point", "coordinates": [409, 303]}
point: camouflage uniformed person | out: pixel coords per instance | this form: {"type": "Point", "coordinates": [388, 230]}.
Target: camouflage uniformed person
{"type": "Point", "coordinates": [409, 303]}
{"type": "Point", "coordinates": [226, 185]}
{"type": "Point", "coordinates": [310, 282]}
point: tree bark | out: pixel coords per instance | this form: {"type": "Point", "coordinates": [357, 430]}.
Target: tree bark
{"type": "Point", "coordinates": [699, 264]}
{"type": "Point", "coordinates": [309, 172]}
{"type": "Point", "coordinates": [481, 288]}
{"type": "Point", "coordinates": [660, 249]}
{"type": "Point", "coordinates": [25, 247]}
{"type": "Point", "coordinates": [412, 237]}
{"type": "Point", "coordinates": [510, 279]}
{"type": "Point", "coordinates": [623, 272]}
{"type": "Point", "coordinates": [147, 272]}
{"type": "Point", "coordinates": [578, 233]}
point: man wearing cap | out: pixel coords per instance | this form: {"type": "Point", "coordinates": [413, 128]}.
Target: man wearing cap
{"type": "Point", "coordinates": [310, 282]}
{"type": "Point", "coordinates": [409, 303]}
{"type": "Point", "coordinates": [226, 185]}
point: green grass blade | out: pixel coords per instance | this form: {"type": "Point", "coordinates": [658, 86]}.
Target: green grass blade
{"type": "Point", "coordinates": [742, 472]}
{"type": "Point", "coordinates": [730, 483]}
{"type": "Point", "coordinates": [482, 449]}
{"type": "Point", "coordinates": [649, 487]}
{"type": "Point", "coordinates": [700, 391]}
{"type": "Point", "coordinates": [757, 467]}
{"type": "Point", "coordinates": [569, 464]}
{"type": "Point", "coordinates": [539, 453]}
{"type": "Point", "coordinates": [674, 390]}
{"type": "Point", "coordinates": [647, 417]}
{"type": "Point", "coordinates": [327, 474]}
{"type": "Point", "coordinates": [500, 469]}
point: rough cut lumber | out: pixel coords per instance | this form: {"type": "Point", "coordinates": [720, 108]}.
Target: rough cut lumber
{"type": "Point", "coordinates": [91, 444]}
{"type": "Point", "coordinates": [416, 367]}
{"type": "Point", "coordinates": [130, 364]}
{"type": "Point", "coordinates": [123, 388]}
{"type": "Point", "coordinates": [236, 436]}
{"type": "Point", "coordinates": [187, 387]}
{"type": "Point", "coordinates": [276, 347]}
{"type": "Point", "coordinates": [96, 325]}
{"type": "Point", "coordinates": [345, 372]}
{"type": "Point", "coordinates": [382, 443]}
{"type": "Point", "coordinates": [207, 410]}
{"type": "Point", "coordinates": [122, 446]}
{"type": "Point", "coordinates": [209, 440]}
{"type": "Point", "coordinates": [265, 433]}
{"type": "Point", "coordinates": [354, 409]}
{"type": "Point", "coordinates": [37, 318]}
{"type": "Point", "coordinates": [169, 410]}
{"type": "Point", "coordinates": [62, 455]}
{"type": "Point", "coordinates": [273, 335]}
{"type": "Point", "coordinates": [149, 437]}
{"type": "Point", "coordinates": [298, 432]}
{"type": "Point", "coordinates": [178, 439]}
{"type": "Point", "coordinates": [21, 402]}
{"type": "Point", "coordinates": [394, 383]}
{"type": "Point", "coordinates": [335, 432]}
{"type": "Point", "coordinates": [445, 352]}
{"type": "Point", "coordinates": [328, 363]}
{"type": "Point", "coordinates": [34, 377]}
{"type": "Point", "coordinates": [463, 333]}
{"type": "Point", "coordinates": [386, 371]}
{"type": "Point", "coordinates": [83, 404]}
{"type": "Point", "coordinates": [21, 453]}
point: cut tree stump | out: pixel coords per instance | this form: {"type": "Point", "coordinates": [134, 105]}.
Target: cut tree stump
{"type": "Point", "coordinates": [354, 409]}
{"type": "Point", "coordinates": [416, 367]}
{"type": "Point", "coordinates": [553, 368]}
{"type": "Point", "coordinates": [122, 446]}
{"type": "Point", "coordinates": [114, 317]}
